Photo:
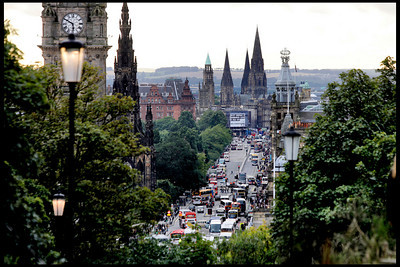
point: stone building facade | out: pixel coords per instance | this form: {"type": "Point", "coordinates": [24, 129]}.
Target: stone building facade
{"type": "Point", "coordinates": [88, 21]}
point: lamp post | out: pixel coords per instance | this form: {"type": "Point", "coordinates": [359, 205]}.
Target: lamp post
{"type": "Point", "coordinates": [58, 208]}
{"type": "Point", "coordinates": [291, 142]}
{"type": "Point", "coordinates": [72, 56]}
{"type": "Point", "coordinates": [58, 204]}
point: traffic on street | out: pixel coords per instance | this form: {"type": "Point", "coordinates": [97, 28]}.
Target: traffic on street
{"type": "Point", "coordinates": [237, 181]}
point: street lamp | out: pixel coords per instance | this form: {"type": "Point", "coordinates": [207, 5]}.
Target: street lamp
{"type": "Point", "coordinates": [58, 204]}
{"type": "Point", "coordinates": [72, 54]}
{"type": "Point", "coordinates": [72, 57]}
{"type": "Point", "coordinates": [291, 143]}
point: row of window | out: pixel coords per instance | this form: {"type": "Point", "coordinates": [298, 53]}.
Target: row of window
{"type": "Point", "coordinates": [157, 100]}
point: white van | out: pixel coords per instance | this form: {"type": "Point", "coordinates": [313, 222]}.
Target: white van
{"type": "Point", "coordinates": [227, 157]}
{"type": "Point", "coordinates": [227, 227]}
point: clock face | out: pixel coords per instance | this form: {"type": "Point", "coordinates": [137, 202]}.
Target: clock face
{"type": "Point", "coordinates": [72, 23]}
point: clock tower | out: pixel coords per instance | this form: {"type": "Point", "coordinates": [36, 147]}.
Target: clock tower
{"type": "Point", "coordinates": [88, 21]}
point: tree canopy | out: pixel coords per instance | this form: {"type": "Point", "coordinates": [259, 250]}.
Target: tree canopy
{"type": "Point", "coordinates": [348, 153]}
{"type": "Point", "coordinates": [108, 200]}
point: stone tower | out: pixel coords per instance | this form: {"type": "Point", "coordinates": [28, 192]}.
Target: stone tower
{"type": "Point", "coordinates": [206, 92]}
{"type": "Point", "coordinates": [125, 68]}
{"type": "Point", "coordinates": [188, 102]}
{"type": "Point", "coordinates": [257, 80]}
{"type": "Point", "coordinates": [88, 21]}
{"type": "Point", "coordinates": [227, 98]}
{"type": "Point", "coordinates": [125, 83]}
{"type": "Point", "coordinates": [285, 104]}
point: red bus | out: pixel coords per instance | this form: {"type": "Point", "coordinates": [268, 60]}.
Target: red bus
{"type": "Point", "coordinates": [190, 217]}
{"type": "Point", "coordinates": [176, 235]}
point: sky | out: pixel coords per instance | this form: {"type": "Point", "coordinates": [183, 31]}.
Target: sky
{"type": "Point", "coordinates": [319, 35]}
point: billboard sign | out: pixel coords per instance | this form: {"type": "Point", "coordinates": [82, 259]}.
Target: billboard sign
{"type": "Point", "coordinates": [238, 119]}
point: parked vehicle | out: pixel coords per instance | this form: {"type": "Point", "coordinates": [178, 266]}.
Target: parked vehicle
{"type": "Point", "coordinates": [176, 235]}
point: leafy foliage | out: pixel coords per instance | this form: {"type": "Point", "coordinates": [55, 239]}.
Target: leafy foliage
{"type": "Point", "coordinates": [184, 153]}
{"type": "Point", "coordinates": [27, 236]}
{"type": "Point", "coordinates": [347, 153]}
{"type": "Point", "coordinates": [215, 140]}
{"type": "Point", "coordinates": [251, 246]}
{"type": "Point", "coordinates": [212, 118]}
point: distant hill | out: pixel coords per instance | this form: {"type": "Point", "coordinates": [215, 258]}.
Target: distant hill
{"type": "Point", "coordinates": [318, 79]}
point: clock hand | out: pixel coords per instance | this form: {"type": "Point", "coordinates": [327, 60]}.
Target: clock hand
{"type": "Point", "coordinates": [69, 21]}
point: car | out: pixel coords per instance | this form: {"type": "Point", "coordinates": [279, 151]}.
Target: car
{"type": "Point", "coordinates": [200, 209]}
{"type": "Point", "coordinates": [217, 197]}
{"type": "Point", "coordinates": [232, 184]}
{"type": "Point", "coordinates": [192, 207]}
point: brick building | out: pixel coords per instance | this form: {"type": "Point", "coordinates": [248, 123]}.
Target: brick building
{"type": "Point", "coordinates": [166, 101]}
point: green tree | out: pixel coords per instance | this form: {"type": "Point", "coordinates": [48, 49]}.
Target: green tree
{"type": "Point", "coordinates": [215, 140]}
{"type": "Point", "coordinates": [27, 235]}
{"type": "Point", "coordinates": [251, 246]}
{"type": "Point", "coordinates": [347, 154]}
{"type": "Point", "coordinates": [177, 162]}
{"type": "Point", "coordinates": [212, 118]}
{"type": "Point", "coordinates": [104, 186]}
{"type": "Point", "coordinates": [186, 119]}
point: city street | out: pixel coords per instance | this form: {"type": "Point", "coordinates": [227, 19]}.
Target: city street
{"type": "Point", "coordinates": [237, 158]}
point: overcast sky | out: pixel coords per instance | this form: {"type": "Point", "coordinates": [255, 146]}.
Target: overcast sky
{"type": "Point", "coordinates": [319, 35]}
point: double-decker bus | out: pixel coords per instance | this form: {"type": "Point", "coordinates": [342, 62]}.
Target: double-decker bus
{"type": "Point", "coordinates": [207, 193]}
{"type": "Point", "coordinates": [254, 159]}
{"type": "Point", "coordinates": [190, 217]}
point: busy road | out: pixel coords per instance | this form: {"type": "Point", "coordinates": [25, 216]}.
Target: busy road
{"type": "Point", "coordinates": [233, 162]}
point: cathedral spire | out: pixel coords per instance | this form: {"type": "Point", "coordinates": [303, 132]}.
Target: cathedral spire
{"type": "Point", "coordinates": [245, 78]}
{"type": "Point", "coordinates": [227, 84]}
{"type": "Point", "coordinates": [257, 55]}
{"type": "Point", "coordinates": [226, 76]}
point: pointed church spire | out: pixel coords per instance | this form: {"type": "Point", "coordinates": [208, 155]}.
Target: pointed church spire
{"type": "Point", "coordinates": [257, 46]}
{"type": "Point", "coordinates": [227, 98]}
{"type": "Point", "coordinates": [226, 76]}
{"type": "Point", "coordinates": [245, 78]}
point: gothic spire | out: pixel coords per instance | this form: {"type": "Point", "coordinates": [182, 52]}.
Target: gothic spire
{"type": "Point", "coordinates": [245, 78]}
{"type": "Point", "coordinates": [257, 62]}
{"type": "Point", "coordinates": [125, 24]}
{"type": "Point", "coordinates": [226, 76]}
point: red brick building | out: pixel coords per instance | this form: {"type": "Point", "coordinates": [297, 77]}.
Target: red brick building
{"type": "Point", "coordinates": [167, 104]}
